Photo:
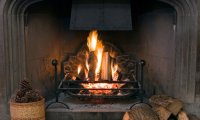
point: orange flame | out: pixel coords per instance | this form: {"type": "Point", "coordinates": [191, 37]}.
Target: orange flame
{"type": "Point", "coordinates": [87, 67]}
{"type": "Point", "coordinates": [99, 53]}
{"type": "Point", "coordinates": [92, 40]}
{"type": "Point", "coordinates": [95, 45]}
{"type": "Point", "coordinates": [79, 69]}
{"type": "Point", "coordinates": [114, 68]}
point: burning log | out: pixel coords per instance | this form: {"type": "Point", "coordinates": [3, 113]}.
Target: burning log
{"type": "Point", "coordinates": [92, 60]}
{"type": "Point", "coordinates": [106, 67]}
{"type": "Point", "coordinates": [114, 70]}
{"type": "Point", "coordinates": [81, 75]}
{"type": "Point", "coordinates": [80, 71]}
{"type": "Point", "coordinates": [127, 67]}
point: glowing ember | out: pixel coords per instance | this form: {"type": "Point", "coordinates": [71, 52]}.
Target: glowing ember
{"type": "Point", "coordinates": [73, 78]}
{"type": "Point", "coordinates": [102, 86]}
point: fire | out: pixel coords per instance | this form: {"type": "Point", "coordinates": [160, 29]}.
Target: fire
{"type": "Point", "coordinates": [87, 67]}
{"type": "Point", "coordinates": [95, 45]}
{"type": "Point", "coordinates": [102, 86]}
{"type": "Point", "coordinates": [79, 69]}
{"type": "Point", "coordinates": [99, 54]}
{"type": "Point", "coordinates": [114, 68]}
{"type": "Point", "coordinates": [92, 40]}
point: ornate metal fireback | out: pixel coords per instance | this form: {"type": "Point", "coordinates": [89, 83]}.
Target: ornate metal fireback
{"type": "Point", "coordinates": [130, 71]}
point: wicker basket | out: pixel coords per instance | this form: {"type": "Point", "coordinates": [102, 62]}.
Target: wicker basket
{"type": "Point", "coordinates": [27, 111]}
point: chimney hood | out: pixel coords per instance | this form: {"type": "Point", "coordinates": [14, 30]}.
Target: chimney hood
{"type": "Point", "coordinates": [101, 15]}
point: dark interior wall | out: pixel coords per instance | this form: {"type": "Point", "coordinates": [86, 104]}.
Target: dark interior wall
{"type": "Point", "coordinates": [157, 43]}
{"type": "Point", "coordinates": [42, 45]}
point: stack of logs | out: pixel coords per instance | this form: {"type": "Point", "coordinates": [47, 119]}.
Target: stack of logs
{"type": "Point", "coordinates": [163, 107]}
{"type": "Point", "coordinates": [126, 63]}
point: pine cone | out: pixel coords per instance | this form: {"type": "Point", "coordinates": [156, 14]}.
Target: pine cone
{"type": "Point", "coordinates": [18, 99]}
{"type": "Point", "coordinates": [32, 96]}
{"type": "Point", "coordinates": [24, 100]}
{"type": "Point", "coordinates": [25, 86]}
{"type": "Point", "coordinates": [26, 94]}
{"type": "Point", "coordinates": [20, 93]}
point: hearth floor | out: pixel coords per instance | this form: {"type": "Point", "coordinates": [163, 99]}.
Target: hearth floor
{"type": "Point", "coordinates": [87, 109]}
{"type": "Point", "coordinates": [77, 105]}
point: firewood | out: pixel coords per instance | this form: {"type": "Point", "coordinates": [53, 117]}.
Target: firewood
{"type": "Point", "coordinates": [81, 75]}
{"type": "Point", "coordinates": [141, 112]}
{"type": "Point", "coordinates": [182, 116]}
{"type": "Point", "coordinates": [162, 112]}
{"type": "Point", "coordinates": [175, 106]}
{"type": "Point", "coordinates": [126, 116]}
{"type": "Point", "coordinates": [127, 66]}
{"type": "Point", "coordinates": [71, 66]}
{"type": "Point", "coordinates": [193, 117]}
{"type": "Point", "coordinates": [171, 104]}
{"type": "Point", "coordinates": [92, 60]}
{"type": "Point", "coordinates": [106, 67]}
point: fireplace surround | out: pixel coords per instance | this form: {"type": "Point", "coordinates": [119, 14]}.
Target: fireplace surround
{"type": "Point", "coordinates": [17, 48]}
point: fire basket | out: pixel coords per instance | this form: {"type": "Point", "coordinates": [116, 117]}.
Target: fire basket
{"type": "Point", "coordinates": [100, 70]}
{"type": "Point", "coordinates": [114, 89]}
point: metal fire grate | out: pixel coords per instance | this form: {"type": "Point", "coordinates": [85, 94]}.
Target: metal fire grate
{"type": "Point", "coordinates": [131, 89]}
{"type": "Point", "coordinates": [134, 87]}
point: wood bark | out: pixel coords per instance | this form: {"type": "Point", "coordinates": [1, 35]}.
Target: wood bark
{"type": "Point", "coordinates": [141, 112]}
{"type": "Point", "coordinates": [171, 104]}
{"type": "Point", "coordinates": [127, 67]}
{"type": "Point", "coordinates": [162, 112]}
{"type": "Point", "coordinates": [193, 117]}
{"type": "Point", "coordinates": [92, 62]}
{"type": "Point", "coordinates": [182, 116]}
{"type": "Point", "coordinates": [106, 67]}
{"type": "Point", "coordinates": [126, 116]}
{"type": "Point", "coordinates": [175, 106]}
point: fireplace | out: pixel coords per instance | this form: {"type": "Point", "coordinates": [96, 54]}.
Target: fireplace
{"type": "Point", "coordinates": [162, 32]}
{"type": "Point", "coordinates": [99, 70]}
{"type": "Point", "coordinates": [48, 36]}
